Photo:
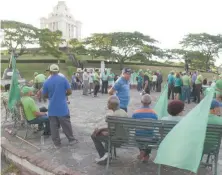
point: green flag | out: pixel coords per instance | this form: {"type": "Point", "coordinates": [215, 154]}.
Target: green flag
{"type": "Point", "coordinates": [183, 145]}
{"type": "Point", "coordinates": [162, 103]}
{"type": "Point", "coordinates": [14, 94]}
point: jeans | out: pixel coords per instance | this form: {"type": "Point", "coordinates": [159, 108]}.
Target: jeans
{"type": "Point", "coordinates": [41, 120]}
{"type": "Point", "coordinates": [98, 142]}
{"type": "Point", "coordinates": [154, 85]}
{"type": "Point", "coordinates": [139, 86]}
{"type": "Point", "coordinates": [85, 87]}
{"type": "Point", "coordinates": [170, 90]}
{"type": "Point", "coordinates": [104, 87]}
{"type": "Point", "coordinates": [96, 88]}
{"type": "Point", "coordinates": [197, 92]}
{"type": "Point", "coordinates": [65, 122]}
{"type": "Point", "coordinates": [186, 93]}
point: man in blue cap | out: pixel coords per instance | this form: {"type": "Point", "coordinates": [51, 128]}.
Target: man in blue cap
{"type": "Point", "coordinates": [122, 88]}
{"type": "Point", "coordinates": [214, 118]}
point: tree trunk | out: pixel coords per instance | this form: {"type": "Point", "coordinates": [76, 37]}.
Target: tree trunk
{"type": "Point", "coordinates": [121, 64]}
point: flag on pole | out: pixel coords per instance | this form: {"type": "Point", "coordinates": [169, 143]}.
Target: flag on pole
{"type": "Point", "coordinates": [161, 105]}
{"type": "Point", "coordinates": [183, 146]}
{"type": "Point", "coordinates": [14, 93]}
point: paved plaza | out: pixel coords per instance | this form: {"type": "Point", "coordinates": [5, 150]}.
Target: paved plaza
{"type": "Point", "coordinates": [88, 113]}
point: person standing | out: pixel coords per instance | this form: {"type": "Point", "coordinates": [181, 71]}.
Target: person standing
{"type": "Point", "coordinates": [91, 85]}
{"type": "Point", "coordinates": [111, 79]}
{"type": "Point", "coordinates": [198, 86]}
{"type": "Point", "coordinates": [159, 81]}
{"type": "Point", "coordinates": [177, 86]}
{"type": "Point", "coordinates": [146, 83]}
{"type": "Point", "coordinates": [186, 87]}
{"type": "Point", "coordinates": [170, 81]}
{"type": "Point", "coordinates": [85, 78]}
{"type": "Point", "coordinates": [39, 80]}
{"type": "Point", "coordinates": [96, 81]}
{"type": "Point", "coordinates": [140, 81]}
{"type": "Point", "coordinates": [73, 81]}
{"type": "Point", "coordinates": [122, 88]}
{"type": "Point", "coordinates": [194, 77]}
{"type": "Point", "coordinates": [104, 78]}
{"type": "Point", "coordinates": [154, 81]}
{"type": "Point", "coordinates": [56, 88]}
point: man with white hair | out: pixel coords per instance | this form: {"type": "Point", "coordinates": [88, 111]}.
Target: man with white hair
{"type": "Point", "coordinates": [101, 135]}
{"type": "Point", "coordinates": [56, 88]}
{"type": "Point", "coordinates": [145, 112]}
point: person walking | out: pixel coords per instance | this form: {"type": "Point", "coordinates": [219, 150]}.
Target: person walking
{"type": "Point", "coordinates": [56, 88]}
{"type": "Point", "coordinates": [122, 88]}
{"type": "Point", "coordinates": [186, 87]}
{"type": "Point", "coordinates": [96, 81]}
{"type": "Point", "coordinates": [85, 78]}
{"type": "Point", "coordinates": [104, 78]}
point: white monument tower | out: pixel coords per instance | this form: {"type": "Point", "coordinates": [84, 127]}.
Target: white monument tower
{"type": "Point", "coordinates": [61, 19]}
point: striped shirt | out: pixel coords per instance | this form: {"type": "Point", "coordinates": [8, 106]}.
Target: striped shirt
{"type": "Point", "coordinates": [144, 113]}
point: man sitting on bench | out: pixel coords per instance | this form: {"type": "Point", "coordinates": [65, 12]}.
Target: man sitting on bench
{"type": "Point", "coordinates": [214, 119]}
{"type": "Point", "coordinates": [101, 135]}
{"type": "Point", "coordinates": [145, 112]}
{"type": "Point", "coordinates": [32, 112]}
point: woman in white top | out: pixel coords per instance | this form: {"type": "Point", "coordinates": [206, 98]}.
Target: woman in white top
{"type": "Point", "coordinates": [154, 80]}
{"type": "Point", "coordinates": [175, 109]}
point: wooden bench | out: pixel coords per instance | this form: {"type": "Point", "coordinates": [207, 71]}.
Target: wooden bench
{"type": "Point", "coordinates": [159, 130]}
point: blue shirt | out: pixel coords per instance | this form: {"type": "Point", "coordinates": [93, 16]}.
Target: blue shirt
{"type": "Point", "coordinates": [171, 79]}
{"type": "Point", "coordinates": [123, 91]}
{"type": "Point", "coordinates": [194, 77]}
{"type": "Point", "coordinates": [144, 113]}
{"type": "Point", "coordinates": [56, 88]}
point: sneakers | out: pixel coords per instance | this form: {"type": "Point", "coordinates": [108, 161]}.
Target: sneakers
{"type": "Point", "coordinates": [98, 160]}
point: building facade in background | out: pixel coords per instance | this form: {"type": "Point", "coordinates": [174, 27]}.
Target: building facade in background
{"type": "Point", "coordinates": [61, 19]}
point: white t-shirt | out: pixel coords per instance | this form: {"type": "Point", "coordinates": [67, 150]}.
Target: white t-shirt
{"type": "Point", "coordinates": [154, 78]}
{"type": "Point", "coordinates": [85, 76]}
{"type": "Point", "coordinates": [60, 74]}
{"type": "Point", "coordinates": [91, 75]}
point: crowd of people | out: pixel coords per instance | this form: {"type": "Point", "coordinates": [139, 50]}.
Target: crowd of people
{"type": "Point", "coordinates": [57, 88]}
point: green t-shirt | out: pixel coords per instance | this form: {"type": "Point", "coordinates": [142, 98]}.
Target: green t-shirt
{"type": "Point", "coordinates": [96, 76]}
{"type": "Point", "coordinates": [214, 120]}
{"type": "Point", "coordinates": [186, 80]}
{"type": "Point", "coordinates": [219, 84]}
{"type": "Point", "coordinates": [40, 78]}
{"type": "Point", "coordinates": [199, 79]}
{"type": "Point", "coordinates": [111, 77]}
{"type": "Point", "coordinates": [178, 82]}
{"type": "Point", "coordinates": [29, 107]}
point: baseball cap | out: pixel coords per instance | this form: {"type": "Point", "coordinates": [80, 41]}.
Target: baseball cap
{"type": "Point", "coordinates": [27, 89]}
{"type": "Point", "coordinates": [214, 104]}
{"type": "Point", "coordinates": [127, 71]}
{"type": "Point", "coordinates": [54, 68]}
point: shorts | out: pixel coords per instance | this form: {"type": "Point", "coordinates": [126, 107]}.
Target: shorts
{"type": "Point", "coordinates": [177, 89]}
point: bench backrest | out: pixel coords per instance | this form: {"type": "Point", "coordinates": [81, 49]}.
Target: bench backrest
{"type": "Point", "coordinates": [159, 130]}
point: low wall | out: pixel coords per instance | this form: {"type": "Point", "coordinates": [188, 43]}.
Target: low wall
{"type": "Point", "coordinates": [32, 163]}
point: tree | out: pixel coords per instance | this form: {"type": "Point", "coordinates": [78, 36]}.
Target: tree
{"type": "Point", "coordinates": [77, 49]}
{"type": "Point", "coordinates": [18, 36]}
{"type": "Point", "coordinates": [121, 46]}
{"type": "Point", "coordinates": [50, 41]}
{"type": "Point", "coordinates": [208, 45]}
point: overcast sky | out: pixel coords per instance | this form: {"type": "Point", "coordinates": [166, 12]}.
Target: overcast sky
{"type": "Point", "coordinates": [165, 20]}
